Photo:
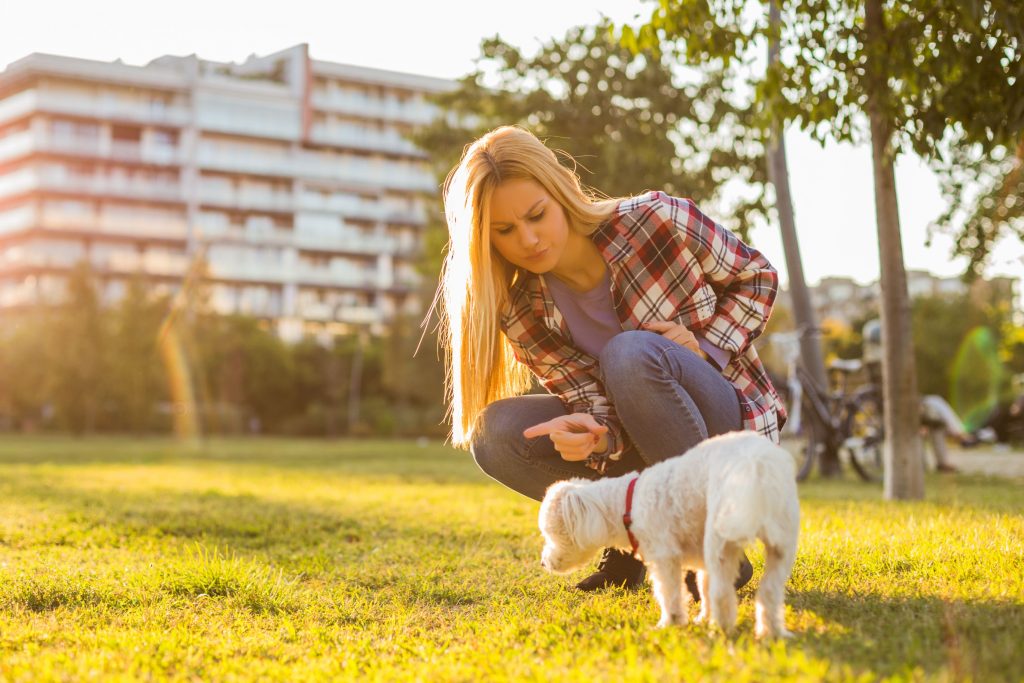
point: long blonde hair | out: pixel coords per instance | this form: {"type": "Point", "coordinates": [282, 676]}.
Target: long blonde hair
{"type": "Point", "coordinates": [474, 286]}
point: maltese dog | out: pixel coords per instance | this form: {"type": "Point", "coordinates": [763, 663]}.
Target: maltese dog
{"type": "Point", "coordinates": [696, 511]}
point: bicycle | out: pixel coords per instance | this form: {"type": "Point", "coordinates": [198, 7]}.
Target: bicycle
{"type": "Point", "coordinates": [842, 423]}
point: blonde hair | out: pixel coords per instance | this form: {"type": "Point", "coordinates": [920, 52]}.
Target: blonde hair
{"type": "Point", "coordinates": [474, 286]}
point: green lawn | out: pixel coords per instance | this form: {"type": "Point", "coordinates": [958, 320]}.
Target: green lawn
{"type": "Point", "coordinates": [304, 560]}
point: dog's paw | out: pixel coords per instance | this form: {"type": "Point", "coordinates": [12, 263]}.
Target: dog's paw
{"type": "Point", "coordinates": [673, 620]}
{"type": "Point", "coordinates": [702, 617]}
{"type": "Point", "coordinates": [765, 633]}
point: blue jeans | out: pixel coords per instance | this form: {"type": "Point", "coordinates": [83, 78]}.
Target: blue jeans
{"type": "Point", "coordinates": [668, 399]}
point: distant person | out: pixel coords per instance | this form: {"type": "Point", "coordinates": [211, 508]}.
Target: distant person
{"type": "Point", "coordinates": [938, 419]}
{"type": "Point", "coordinates": [636, 315]}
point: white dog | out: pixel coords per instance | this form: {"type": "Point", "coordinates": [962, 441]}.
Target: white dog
{"type": "Point", "coordinates": [698, 510]}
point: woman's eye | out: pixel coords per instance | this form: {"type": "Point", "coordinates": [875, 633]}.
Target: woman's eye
{"type": "Point", "coordinates": [504, 231]}
{"type": "Point", "coordinates": [537, 217]}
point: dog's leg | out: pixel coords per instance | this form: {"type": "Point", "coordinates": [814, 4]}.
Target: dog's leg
{"type": "Point", "coordinates": [705, 596]}
{"type": "Point", "coordinates": [721, 560]}
{"type": "Point", "coordinates": [667, 581]}
{"type": "Point", "coordinates": [770, 599]}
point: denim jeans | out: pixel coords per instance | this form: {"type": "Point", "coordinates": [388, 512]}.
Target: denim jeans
{"type": "Point", "coordinates": [667, 398]}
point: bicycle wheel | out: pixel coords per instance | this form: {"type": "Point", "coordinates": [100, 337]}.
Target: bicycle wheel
{"type": "Point", "coordinates": [814, 442]}
{"type": "Point", "coordinates": [865, 427]}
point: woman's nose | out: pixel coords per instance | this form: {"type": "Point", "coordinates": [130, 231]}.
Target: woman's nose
{"type": "Point", "coordinates": [528, 238]}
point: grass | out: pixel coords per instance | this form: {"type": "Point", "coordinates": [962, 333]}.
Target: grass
{"type": "Point", "coordinates": [303, 560]}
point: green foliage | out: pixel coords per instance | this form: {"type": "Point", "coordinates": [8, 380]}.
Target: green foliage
{"type": "Point", "coordinates": [135, 374]}
{"type": "Point", "coordinates": [289, 560]}
{"type": "Point", "coordinates": [87, 368]}
{"type": "Point", "coordinates": [79, 336]}
{"type": "Point", "coordinates": [942, 325]}
{"type": "Point", "coordinates": [24, 370]}
{"type": "Point", "coordinates": [946, 75]}
{"type": "Point", "coordinates": [985, 194]}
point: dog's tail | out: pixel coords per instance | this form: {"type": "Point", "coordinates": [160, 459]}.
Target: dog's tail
{"type": "Point", "coordinates": [756, 497]}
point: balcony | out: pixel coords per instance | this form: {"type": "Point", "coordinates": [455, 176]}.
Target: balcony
{"type": "Point", "coordinates": [111, 108]}
{"type": "Point", "coordinates": [17, 219]}
{"type": "Point", "coordinates": [138, 226]}
{"type": "Point", "coordinates": [238, 161]}
{"type": "Point", "coordinates": [360, 315]}
{"type": "Point", "coordinates": [328, 277]}
{"type": "Point", "coordinates": [345, 242]}
{"type": "Point", "coordinates": [27, 142]}
{"type": "Point", "coordinates": [376, 212]}
{"type": "Point", "coordinates": [17, 145]}
{"type": "Point", "coordinates": [365, 174]}
{"type": "Point", "coordinates": [218, 195]}
{"type": "Point", "coordinates": [41, 255]}
{"type": "Point", "coordinates": [150, 263]}
{"type": "Point", "coordinates": [242, 234]}
{"type": "Point", "coordinates": [316, 311]}
{"type": "Point", "coordinates": [249, 271]}
{"type": "Point", "coordinates": [370, 140]}
{"type": "Point", "coordinates": [373, 108]}
{"type": "Point", "coordinates": [110, 186]}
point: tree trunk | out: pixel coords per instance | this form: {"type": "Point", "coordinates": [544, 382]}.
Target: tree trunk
{"type": "Point", "coordinates": [904, 464]}
{"type": "Point", "coordinates": [355, 384]}
{"type": "Point", "coordinates": [778, 174]}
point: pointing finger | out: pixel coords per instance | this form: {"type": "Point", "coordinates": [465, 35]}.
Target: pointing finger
{"type": "Point", "coordinates": [538, 430]}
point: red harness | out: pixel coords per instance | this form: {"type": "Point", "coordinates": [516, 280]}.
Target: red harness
{"type": "Point", "coordinates": [627, 519]}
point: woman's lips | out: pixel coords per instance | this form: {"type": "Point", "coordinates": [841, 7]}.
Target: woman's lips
{"type": "Point", "coordinates": [537, 255]}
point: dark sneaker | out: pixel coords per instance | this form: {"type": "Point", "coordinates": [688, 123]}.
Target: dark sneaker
{"type": "Point", "coordinates": [615, 569]}
{"type": "Point", "coordinates": [746, 572]}
{"type": "Point", "coordinates": [946, 468]}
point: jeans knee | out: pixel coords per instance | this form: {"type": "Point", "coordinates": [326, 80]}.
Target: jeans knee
{"type": "Point", "coordinates": [628, 355]}
{"type": "Point", "coordinates": [495, 430]}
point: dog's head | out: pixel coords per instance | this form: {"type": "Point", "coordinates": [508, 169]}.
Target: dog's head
{"type": "Point", "coordinates": [572, 526]}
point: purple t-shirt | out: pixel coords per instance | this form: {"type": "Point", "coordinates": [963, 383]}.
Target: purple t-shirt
{"type": "Point", "coordinates": [592, 320]}
{"type": "Point", "coordinates": [590, 315]}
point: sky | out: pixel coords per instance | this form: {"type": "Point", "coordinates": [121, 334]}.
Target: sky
{"type": "Point", "coordinates": [832, 186]}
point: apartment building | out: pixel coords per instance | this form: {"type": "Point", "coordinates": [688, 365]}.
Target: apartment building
{"type": "Point", "coordinates": [289, 178]}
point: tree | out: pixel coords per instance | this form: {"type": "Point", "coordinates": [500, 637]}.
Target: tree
{"type": "Point", "coordinates": [778, 173]}
{"type": "Point", "coordinates": [902, 75]}
{"type": "Point", "coordinates": [137, 379]}
{"type": "Point", "coordinates": [25, 368]}
{"type": "Point", "coordinates": [986, 200]}
{"type": "Point", "coordinates": [79, 358]}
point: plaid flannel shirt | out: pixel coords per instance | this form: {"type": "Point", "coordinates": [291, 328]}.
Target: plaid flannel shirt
{"type": "Point", "coordinates": [668, 261]}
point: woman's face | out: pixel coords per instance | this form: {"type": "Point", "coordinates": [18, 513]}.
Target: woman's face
{"type": "Point", "coordinates": [528, 227]}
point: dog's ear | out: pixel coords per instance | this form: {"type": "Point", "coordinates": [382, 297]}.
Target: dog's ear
{"type": "Point", "coordinates": [583, 520]}
{"type": "Point", "coordinates": [551, 506]}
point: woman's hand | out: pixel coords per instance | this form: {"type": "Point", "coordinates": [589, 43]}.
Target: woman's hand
{"type": "Point", "coordinates": [675, 332]}
{"type": "Point", "coordinates": [575, 436]}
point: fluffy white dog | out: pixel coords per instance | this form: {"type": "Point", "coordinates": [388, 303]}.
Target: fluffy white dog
{"type": "Point", "coordinates": [697, 511]}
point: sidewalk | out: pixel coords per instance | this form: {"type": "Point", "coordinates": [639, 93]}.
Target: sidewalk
{"type": "Point", "coordinates": [996, 460]}
{"type": "Point", "coordinates": [991, 459]}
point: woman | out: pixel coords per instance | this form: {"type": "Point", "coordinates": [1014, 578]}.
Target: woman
{"type": "Point", "coordinates": [637, 316]}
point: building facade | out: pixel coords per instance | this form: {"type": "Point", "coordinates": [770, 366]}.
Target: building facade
{"type": "Point", "coordinates": [289, 179]}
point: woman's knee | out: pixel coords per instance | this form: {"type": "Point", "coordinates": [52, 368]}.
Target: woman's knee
{"type": "Point", "coordinates": [498, 439]}
{"type": "Point", "coordinates": [495, 435]}
{"type": "Point", "coordinates": [631, 356]}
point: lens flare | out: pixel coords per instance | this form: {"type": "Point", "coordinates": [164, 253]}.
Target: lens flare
{"type": "Point", "coordinates": [180, 380]}
{"type": "Point", "coordinates": [977, 376]}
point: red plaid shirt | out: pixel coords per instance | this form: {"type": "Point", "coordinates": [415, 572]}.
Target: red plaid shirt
{"type": "Point", "coordinates": [668, 261]}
